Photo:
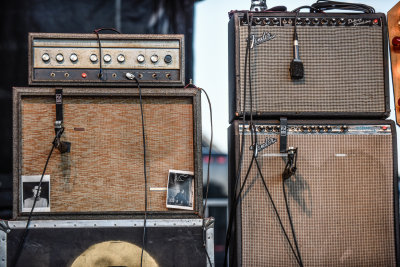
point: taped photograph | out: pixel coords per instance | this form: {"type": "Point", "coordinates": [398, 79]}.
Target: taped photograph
{"type": "Point", "coordinates": [180, 190]}
{"type": "Point", "coordinates": [30, 190]}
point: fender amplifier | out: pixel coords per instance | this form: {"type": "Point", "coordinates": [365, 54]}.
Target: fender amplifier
{"type": "Point", "coordinates": [103, 174]}
{"type": "Point", "coordinates": [344, 58]}
{"type": "Point", "coordinates": [343, 197]}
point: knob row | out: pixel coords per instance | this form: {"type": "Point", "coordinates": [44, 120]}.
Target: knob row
{"type": "Point", "coordinates": [107, 58]}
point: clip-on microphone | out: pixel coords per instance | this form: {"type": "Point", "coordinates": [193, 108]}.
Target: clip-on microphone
{"type": "Point", "coordinates": [62, 146]}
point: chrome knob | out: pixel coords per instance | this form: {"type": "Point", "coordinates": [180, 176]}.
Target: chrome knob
{"type": "Point", "coordinates": [107, 58]}
{"type": "Point", "coordinates": [140, 58]}
{"type": "Point", "coordinates": [59, 58]}
{"type": "Point", "coordinates": [121, 58]}
{"type": "Point", "coordinates": [93, 58]}
{"type": "Point", "coordinates": [154, 58]}
{"type": "Point", "coordinates": [73, 57]}
{"type": "Point", "coordinates": [45, 57]}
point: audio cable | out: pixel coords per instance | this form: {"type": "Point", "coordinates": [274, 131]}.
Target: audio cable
{"type": "Point", "coordinates": [100, 75]}
{"type": "Point", "coordinates": [25, 233]}
{"type": "Point", "coordinates": [190, 85]}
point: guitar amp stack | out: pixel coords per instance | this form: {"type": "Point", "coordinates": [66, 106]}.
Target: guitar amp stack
{"type": "Point", "coordinates": [106, 142]}
{"type": "Point", "coordinates": [312, 158]}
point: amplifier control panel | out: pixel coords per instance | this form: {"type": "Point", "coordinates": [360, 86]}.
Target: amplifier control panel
{"type": "Point", "coordinates": [106, 59]}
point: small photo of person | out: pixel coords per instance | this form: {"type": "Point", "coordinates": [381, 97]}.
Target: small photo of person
{"type": "Point", "coordinates": [31, 190]}
{"type": "Point", "coordinates": [180, 190]}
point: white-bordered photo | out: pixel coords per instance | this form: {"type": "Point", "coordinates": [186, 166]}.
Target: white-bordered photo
{"type": "Point", "coordinates": [180, 190]}
{"type": "Point", "coordinates": [30, 189]}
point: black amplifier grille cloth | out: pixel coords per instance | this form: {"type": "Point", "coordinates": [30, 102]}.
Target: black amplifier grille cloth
{"type": "Point", "coordinates": [341, 202]}
{"type": "Point", "coordinates": [344, 70]}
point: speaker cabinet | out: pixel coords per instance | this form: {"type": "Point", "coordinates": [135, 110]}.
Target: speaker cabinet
{"type": "Point", "coordinates": [79, 243]}
{"type": "Point", "coordinates": [344, 58]}
{"type": "Point", "coordinates": [103, 172]}
{"type": "Point", "coordinates": [343, 198]}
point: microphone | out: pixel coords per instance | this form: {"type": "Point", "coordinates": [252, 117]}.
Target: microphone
{"type": "Point", "coordinates": [296, 66]}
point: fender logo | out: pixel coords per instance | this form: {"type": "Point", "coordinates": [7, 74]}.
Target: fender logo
{"type": "Point", "coordinates": [267, 36]}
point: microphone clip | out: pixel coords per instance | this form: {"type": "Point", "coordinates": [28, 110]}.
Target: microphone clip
{"type": "Point", "coordinates": [290, 168]}
{"type": "Point", "coordinates": [62, 146]}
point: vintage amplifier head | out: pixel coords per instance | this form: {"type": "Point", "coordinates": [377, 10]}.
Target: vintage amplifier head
{"type": "Point", "coordinates": [74, 59]}
{"type": "Point", "coordinates": [103, 172]}
{"type": "Point", "coordinates": [343, 198]}
{"type": "Point", "coordinates": [345, 59]}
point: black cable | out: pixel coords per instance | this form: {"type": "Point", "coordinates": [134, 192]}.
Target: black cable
{"type": "Point", "coordinates": [100, 75]}
{"type": "Point", "coordinates": [208, 170]}
{"type": "Point", "coordinates": [24, 235]}
{"type": "Point", "coordinates": [290, 170]}
{"type": "Point", "coordinates": [208, 176]}
{"type": "Point", "coordinates": [291, 222]}
{"type": "Point", "coordinates": [144, 170]}
{"type": "Point", "coordinates": [277, 214]}
{"type": "Point", "coordinates": [324, 5]}
{"type": "Point", "coordinates": [232, 212]}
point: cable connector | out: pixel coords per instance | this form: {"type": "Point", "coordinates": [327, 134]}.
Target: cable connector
{"type": "Point", "coordinates": [130, 76]}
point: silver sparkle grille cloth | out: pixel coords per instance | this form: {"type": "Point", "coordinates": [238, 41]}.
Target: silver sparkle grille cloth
{"type": "Point", "coordinates": [344, 70]}
{"type": "Point", "coordinates": [342, 206]}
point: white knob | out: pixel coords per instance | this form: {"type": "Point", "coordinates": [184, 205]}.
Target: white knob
{"type": "Point", "coordinates": [140, 58]}
{"type": "Point", "coordinates": [93, 58]}
{"type": "Point", "coordinates": [107, 58]}
{"type": "Point", "coordinates": [59, 57]}
{"type": "Point", "coordinates": [154, 58]}
{"type": "Point", "coordinates": [121, 58]}
{"type": "Point", "coordinates": [45, 57]}
{"type": "Point", "coordinates": [73, 57]}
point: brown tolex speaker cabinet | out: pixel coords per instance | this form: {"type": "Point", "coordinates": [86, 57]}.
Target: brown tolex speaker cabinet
{"type": "Point", "coordinates": [345, 59]}
{"type": "Point", "coordinates": [103, 172]}
{"type": "Point", "coordinates": [343, 198]}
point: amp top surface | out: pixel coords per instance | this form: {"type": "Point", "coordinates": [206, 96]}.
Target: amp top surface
{"type": "Point", "coordinates": [106, 59]}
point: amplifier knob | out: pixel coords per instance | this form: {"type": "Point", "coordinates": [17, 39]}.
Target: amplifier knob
{"type": "Point", "coordinates": [107, 58]}
{"type": "Point", "coordinates": [333, 21]}
{"type": "Point", "coordinates": [303, 128]}
{"type": "Point", "coordinates": [276, 21]}
{"type": "Point", "coordinates": [140, 58]}
{"type": "Point", "coordinates": [277, 128]}
{"type": "Point", "coordinates": [320, 128]}
{"type": "Point", "coordinates": [344, 128]}
{"type": "Point", "coordinates": [341, 21]}
{"type": "Point", "coordinates": [324, 21]}
{"type": "Point", "coordinates": [316, 21]}
{"type": "Point", "coordinates": [93, 58]}
{"type": "Point", "coordinates": [267, 21]}
{"type": "Point", "coordinates": [269, 128]}
{"type": "Point", "coordinates": [328, 129]}
{"type": "Point", "coordinates": [307, 20]}
{"type": "Point", "coordinates": [312, 128]}
{"type": "Point", "coordinates": [261, 128]}
{"type": "Point", "coordinates": [59, 58]}
{"type": "Point", "coordinates": [73, 57]}
{"type": "Point", "coordinates": [168, 59]}
{"type": "Point", "coordinates": [121, 58]}
{"type": "Point", "coordinates": [258, 20]}
{"type": "Point", "coordinates": [298, 22]}
{"type": "Point", "coordinates": [45, 57]}
{"type": "Point", "coordinates": [154, 58]}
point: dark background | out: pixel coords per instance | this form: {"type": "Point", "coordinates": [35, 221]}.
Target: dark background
{"type": "Point", "coordinates": [18, 18]}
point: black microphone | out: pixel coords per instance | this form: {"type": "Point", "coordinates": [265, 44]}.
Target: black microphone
{"type": "Point", "coordinates": [296, 66]}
